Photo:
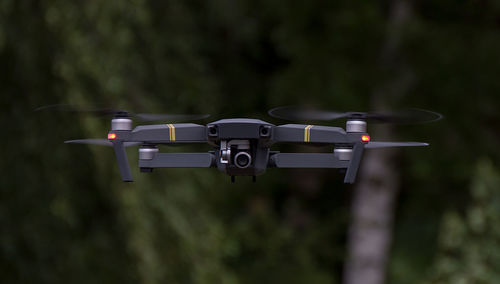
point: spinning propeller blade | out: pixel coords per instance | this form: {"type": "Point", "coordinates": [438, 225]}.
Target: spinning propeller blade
{"type": "Point", "coordinates": [106, 111]}
{"type": "Point", "coordinates": [176, 117]}
{"type": "Point", "coordinates": [375, 145]}
{"type": "Point", "coordinates": [101, 142]}
{"type": "Point", "coordinates": [407, 116]}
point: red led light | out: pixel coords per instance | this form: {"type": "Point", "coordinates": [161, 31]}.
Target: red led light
{"type": "Point", "coordinates": [111, 136]}
{"type": "Point", "coordinates": [365, 138]}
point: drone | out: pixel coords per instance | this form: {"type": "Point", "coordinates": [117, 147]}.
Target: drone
{"type": "Point", "coordinates": [242, 146]}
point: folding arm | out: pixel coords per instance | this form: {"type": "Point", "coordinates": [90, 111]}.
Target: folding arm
{"type": "Point", "coordinates": [314, 134]}
{"type": "Point", "coordinates": [169, 133]}
{"type": "Point", "coordinates": [160, 134]}
{"type": "Point", "coordinates": [306, 160]}
{"type": "Point", "coordinates": [320, 160]}
{"type": "Point", "coordinates": [179, 160]}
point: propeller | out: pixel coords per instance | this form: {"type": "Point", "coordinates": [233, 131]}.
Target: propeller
{"type": "Point", "coordinates": [106, 111]}
{"type": "Point", "coordinates": [101, 142]}
{"type": "Point", "coordinates": [406, 116]}
{"type": "Point", "coordinates": [376, 145]}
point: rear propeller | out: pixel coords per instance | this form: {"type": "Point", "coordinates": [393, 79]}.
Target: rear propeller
{"type": "Point", "coordinates": [404, 117]}
{"type": "Point", "coordinates": [377, 145]}
{"type": "Point", "coordinates": [119, 113]}
{"type": "Point", "coordinates": [101, 142]}
{"type": "Point", "coordinates": [121, 123]}
{"type": "Point", "coordinates": [356, 121]}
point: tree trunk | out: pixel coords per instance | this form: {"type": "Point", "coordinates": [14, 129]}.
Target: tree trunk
{"type": "Point", "coordinates": [370, 232]}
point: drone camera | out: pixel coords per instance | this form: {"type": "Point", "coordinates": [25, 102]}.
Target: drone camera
{"type": "Point", "coordinates": [236, 152]}
{"type": "Point", "coordinates": [242, 160]}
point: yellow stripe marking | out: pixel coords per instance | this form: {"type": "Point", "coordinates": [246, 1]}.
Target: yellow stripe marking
{"type": "Point", "coordinates": [171, 131]}
{"type": "Point", "coordinates": [172, 135]}
{"type": "Point", "coordinates": [307, 133]}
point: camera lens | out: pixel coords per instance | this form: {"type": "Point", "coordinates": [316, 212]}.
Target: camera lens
{"type": "Point", "coordinates": [242, 160]}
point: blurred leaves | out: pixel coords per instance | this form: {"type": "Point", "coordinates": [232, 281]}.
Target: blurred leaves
{"type": "Point", "coordinates": [468, 249]}
{"type": "Point", "coordinates": [65, 216]}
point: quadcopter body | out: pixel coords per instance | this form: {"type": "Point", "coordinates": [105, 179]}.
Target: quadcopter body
{"type": "Point", "coordinates": [242, 146]}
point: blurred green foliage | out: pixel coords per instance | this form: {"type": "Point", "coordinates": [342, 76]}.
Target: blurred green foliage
{"type": "Point", "coordinates": [468, 250]}
{"type": "Point", "coordinates": [65, 216]}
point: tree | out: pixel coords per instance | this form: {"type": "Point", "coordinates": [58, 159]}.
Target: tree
{"type": "Point", "coordinates": [375, 193]}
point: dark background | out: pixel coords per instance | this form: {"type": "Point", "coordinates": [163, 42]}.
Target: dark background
{"type": "Point", "coordinates": [65, 215]}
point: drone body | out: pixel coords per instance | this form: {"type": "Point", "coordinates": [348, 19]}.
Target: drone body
{"type": "Point", "coordinates": [241, 146]}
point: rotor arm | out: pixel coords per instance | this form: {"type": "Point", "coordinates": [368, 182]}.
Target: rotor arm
{"type": "Point", "coordinates": [169, 133]}
{"type": "Point", "coordinates": [314, 134]}
{"type": "Point", "coordinates": [179, 160]}
{"type": "Point", "coordinates": [306, 161]}
{"type": "Point", "coordinates": [320, 160]}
